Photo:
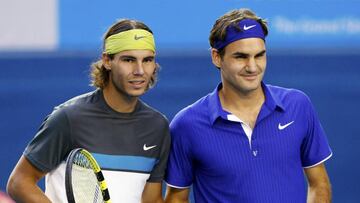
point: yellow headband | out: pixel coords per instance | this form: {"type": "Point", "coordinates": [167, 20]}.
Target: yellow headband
{"type": "Point", "coordinates": [129, 40]}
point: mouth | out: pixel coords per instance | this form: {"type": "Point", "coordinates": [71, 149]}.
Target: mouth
{"type": "Point", "coordinates": [250, 77]}
{"type": "Point", "coordinates": [137, 84]}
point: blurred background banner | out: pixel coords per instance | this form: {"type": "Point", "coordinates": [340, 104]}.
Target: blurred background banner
{"type": "Point", "coordinates": [79, 25]}
{"type": "Point", "coordinates": [46, 47]}
{"type": "Point", "coordinates": [186, 24]}
{"type": "Point", "coordinates": [29, 25]}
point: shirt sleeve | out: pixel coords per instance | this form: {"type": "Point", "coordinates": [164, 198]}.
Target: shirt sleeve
{"type": "Point", "coordinates": [51, 143]}
{"type": "Point", "coordinates": [158, 173]}
{"type": "Point", "coordinates": [180, 165]}
{"type": "Point", "coordinates": [315, 148]}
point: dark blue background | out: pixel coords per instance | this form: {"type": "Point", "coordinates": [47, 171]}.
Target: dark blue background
{"type": "Point", "coordinates": [31, 84]}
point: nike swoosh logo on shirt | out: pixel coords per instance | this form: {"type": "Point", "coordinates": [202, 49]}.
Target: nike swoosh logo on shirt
{"type": "Point", "coordinates": [282, 127]}
{"type": "Point", "coordinates": [148, 147]}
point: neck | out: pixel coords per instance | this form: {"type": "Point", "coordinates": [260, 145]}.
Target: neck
{"type": "Point", "coordinates": [119, 101]}
{"type": "Point", "coordinates": [246, 106]}
{"type": "Point", "coordinates": [240, 100]}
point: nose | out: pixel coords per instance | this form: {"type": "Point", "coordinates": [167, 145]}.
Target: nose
{"type": "Point", "coordinates": [138, 69]}
{"type": "Point", "coordinates": [251, 65]}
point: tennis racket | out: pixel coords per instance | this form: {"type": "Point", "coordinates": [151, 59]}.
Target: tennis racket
{"type": "Point", "coordinates": [84, 181]}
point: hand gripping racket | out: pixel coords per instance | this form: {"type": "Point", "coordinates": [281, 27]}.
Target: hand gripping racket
{"type": "Point", "coordinates": [84, 181]}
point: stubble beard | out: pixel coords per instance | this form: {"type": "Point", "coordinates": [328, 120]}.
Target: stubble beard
{"type": "Point", "coordinates": [121, 90]}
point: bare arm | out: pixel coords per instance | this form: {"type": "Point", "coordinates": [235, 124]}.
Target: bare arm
{"type": "Point", "coordinates": [319, 190]}
{"type": "Point", "coordinates": [152, 193]}
{"type": "Point", "coordinates": [176, 195]}
{"type": "Point", "coordinates": [22, 183]}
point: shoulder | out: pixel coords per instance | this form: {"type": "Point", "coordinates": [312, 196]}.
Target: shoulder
{"type": "Point", "coordinates": [288, 95]}
{"type": "Point", "coordinates": [191, 114]}
{"type": "Point", "coordinates": [153, 123]}
{"type": "Point", "coordinates": [147, 112]}
{"type": "Point", "coordinates": [64, 111]}
{"type": "Point", "coordinates": [80, 100]}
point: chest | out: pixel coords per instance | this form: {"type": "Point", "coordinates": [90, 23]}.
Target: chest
{"type": "Point", "coordinates": [120, 136]}
{"type": "Point", "coordinates": [227, 151]}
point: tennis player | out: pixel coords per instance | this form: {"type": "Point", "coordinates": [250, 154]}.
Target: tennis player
{"type": "Point", "coordinates": [129, 139]}
{"type": "Point", "coordinates": [247, 141]}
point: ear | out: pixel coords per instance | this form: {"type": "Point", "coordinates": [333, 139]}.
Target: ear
{"type": "Point", "coordinates": [216, 58]}
{"type": "Point", "coordinates": [106, 61]}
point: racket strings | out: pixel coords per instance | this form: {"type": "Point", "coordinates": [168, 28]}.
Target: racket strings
{"type": "Point", "coordinates": [85, 185]}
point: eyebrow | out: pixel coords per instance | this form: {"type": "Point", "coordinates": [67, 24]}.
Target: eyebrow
{"type": "Point", "coordinates": [127, 57]}
{"type": "Point", "coordinates": [247, 55]}
{"type": "Point", "coordinates": [261, 53]}
{"type": "Point", "coordinates": [133, 57]}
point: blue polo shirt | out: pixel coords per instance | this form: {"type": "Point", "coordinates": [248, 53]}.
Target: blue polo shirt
{"type": "Point", "coordinates": [226, 161]}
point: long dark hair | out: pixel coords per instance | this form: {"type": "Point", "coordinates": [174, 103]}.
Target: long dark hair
{"type": "Point", "coordinates": [99, 74]}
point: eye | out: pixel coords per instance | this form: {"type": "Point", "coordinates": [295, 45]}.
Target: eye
{"type": "Point", "coordinates": [148, 60]}
{"type": "Point", "coordinates": [240, 57]}
{"type": "Point", "coordinates": [128, 60]}
{"type": "Point", "coordinates": [260, 54]}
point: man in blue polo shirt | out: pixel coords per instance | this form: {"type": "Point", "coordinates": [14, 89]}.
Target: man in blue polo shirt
{"type": "Point", "coordinates": [247, 141]}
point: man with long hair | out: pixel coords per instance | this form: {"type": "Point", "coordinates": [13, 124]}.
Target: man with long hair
{"type": "Point", "coordinates": [129, 139]}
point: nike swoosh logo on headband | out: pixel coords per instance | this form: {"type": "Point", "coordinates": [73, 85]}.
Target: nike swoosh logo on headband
{"type": "Point", "coordinates": [248, 27]}
{"type": "Point", "coordinates": [138, 37]}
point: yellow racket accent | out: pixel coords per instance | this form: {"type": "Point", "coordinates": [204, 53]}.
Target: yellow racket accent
{"type": "Point", "coordinates": [84, 180]}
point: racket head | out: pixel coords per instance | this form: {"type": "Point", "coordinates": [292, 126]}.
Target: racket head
{"type": "Point", "coordinates": [84, 181]}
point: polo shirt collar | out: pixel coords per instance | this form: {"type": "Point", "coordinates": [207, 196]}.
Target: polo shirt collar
{"type": "Point", "coordinates": [272, 101]}
{"type": "Point", "coordinates": [215, 109]}
{"type": "Point", "coordinates": [214, 105]}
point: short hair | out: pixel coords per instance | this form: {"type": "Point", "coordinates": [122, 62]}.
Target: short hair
{"type": "Point", "coordinates": [231, 18]}
{"type": "Point", "coordinates": [99, 74]}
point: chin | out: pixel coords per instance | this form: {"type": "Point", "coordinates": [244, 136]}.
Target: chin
{"type": "Point", "coordinates": [136, 93]}
{"type": "Point", "coordinates": [251, 88]}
